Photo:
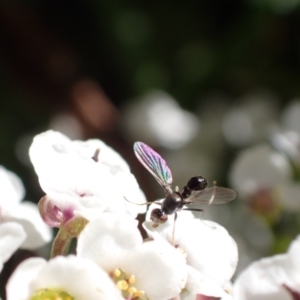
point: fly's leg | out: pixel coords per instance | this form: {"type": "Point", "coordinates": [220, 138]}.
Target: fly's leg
{"type": "Point", "coordinates": [173, 232]}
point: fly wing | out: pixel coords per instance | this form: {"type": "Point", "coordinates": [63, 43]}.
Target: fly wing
{"type": "Point", "coordinates": [212, 195]}
{"type": "Point", "coordinates": [155, 164]}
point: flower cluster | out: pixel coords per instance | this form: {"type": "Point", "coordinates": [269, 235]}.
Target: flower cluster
{"type": "Point", "coordinates": [91, 195]}
{"type": "Point", "coordinates": [276, 277]}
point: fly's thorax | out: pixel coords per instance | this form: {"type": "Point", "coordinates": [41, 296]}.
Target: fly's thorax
{"type": "Point", "coordinates": [172, 203]}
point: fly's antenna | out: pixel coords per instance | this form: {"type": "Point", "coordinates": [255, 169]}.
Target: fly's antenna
{"type": "Point", "coordinates": [145, 203]}
{"type": "Point", "coordinates": [212, 227]}
{"type": "Point", "coordinates": [201, 219]}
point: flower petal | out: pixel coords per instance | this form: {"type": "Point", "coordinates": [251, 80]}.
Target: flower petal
{"type": "Point", "coordinates": [18, 286]}
{"type": "Point", "coordinates": [12, 236]}
{"type": "Point", "coordinates": [159, 269]}
{"type": "Point", "coordinates": [107, 156]}
{"type": "Point", "coordinates": [198, 283]}
{"type": "Point", "coordinates": [209, 247]}
{"type": "Point", "coordinates": [27, 215]}
{"type": "Point", "coordinates": [108, 239]}
{"type": "Point", "coordinates": [79, 277]}
{"type": "Point", "coordinates": [263, 280]}
{"type": "Point", "coordinates": [259, 167]}
{"type": "Point", "coordinates": [12, 189]}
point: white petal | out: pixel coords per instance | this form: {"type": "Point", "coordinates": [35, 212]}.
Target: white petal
{"type": "Point", "coordinates": [138, 197]}
{"type": "Point", "coordinates": [209, 247]}
{"type": "Point", "coordinates": [128, 190]}
{"type": "Point", "coordinates": [259, 167]}
{"type": "Point", "coordinates": [12, 236]}
{"type": "Point", "coordinates": [159, 269]}
{"type": "Point", "coordinates": [12, 189]}
{"type": "Point", "coordinates": [227, 297]}
{"type": "Point", "coordinates": [293, 265]}
{"type": "Point", "coordinates": [263, 280]}
{"type": "Point", "coordinates": [108, 239]}
{"type": "Point", "coordinates": [27, 215]}
{"type": "Point", "coordinates": [107, 156]}
{"type": "Point", "coordinates": [57, 163]}
{"type": "Point", "coordinates": [18, 286]}
{"type": "Point", "coordinates": [70, 204]}
{"type": "Point", "coordinates": [79, 277]}
{"type": "Point", "coordinates": [211, 250]}
{"type": "Point", "coordinates": [66, 167]}
{"type": "Point", "coordinates": [198, 283]}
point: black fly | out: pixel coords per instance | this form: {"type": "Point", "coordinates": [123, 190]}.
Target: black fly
{"type": "Point", "coordinates": [193, 194]}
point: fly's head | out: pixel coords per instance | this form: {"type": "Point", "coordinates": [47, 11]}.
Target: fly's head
{"type": "Point", "coordinates": [158, 216]}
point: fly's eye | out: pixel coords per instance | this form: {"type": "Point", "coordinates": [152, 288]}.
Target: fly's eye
{"type": "Point", "coordinates": [158, 216]}
{"type": "Point", "coordinates": [197, 183]}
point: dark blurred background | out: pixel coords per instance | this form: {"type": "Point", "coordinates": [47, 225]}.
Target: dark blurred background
{"type": "Point", "coordinates": [182, 76]}
{"type": "Point", "coordinates": [89, 59]}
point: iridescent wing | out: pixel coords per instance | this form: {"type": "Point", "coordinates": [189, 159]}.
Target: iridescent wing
{"type": "Point", "coordinates": [212, 195]}
{"type": "Point", "coordinates": [155, 164]}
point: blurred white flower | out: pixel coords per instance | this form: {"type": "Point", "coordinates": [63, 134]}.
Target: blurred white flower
{"type": "Point", "coordinates": [150, 269]}
{"type": "Point", "coordinates": [259, 167]}
{"type": "Point", "coordinates": [263, 177]}
{"type": "Point", "coordinates": [209, 269]}
{"type": "Point", "coordinates": [250, 121]}
{"type": "Point", "coordinates": [276, 277]}
{"type": "Point", "coordinates": [68, 277]}
{"type": "Point", "coordinates": [160, 121]}
{"type": "Point", "coordinates": [285, 136]}
{"type": "Point", "coordinates": [83, 178]}
{"type": "Point", "coordinates": [24, 213]}
{"type": "Point", "coordinates": [12, 235]}
{"type": "Point", "coordinates": [67, 124]}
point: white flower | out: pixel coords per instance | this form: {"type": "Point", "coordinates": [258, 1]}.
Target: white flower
{"type": "Point", "coordinates": [160, 120]}
{"type": "Point", "coordinates": [24, 213]}
{"type": "Point", "coordinates": [210, 251]}
{"type": "Point", "coordinates": [84, 178]}
{"type": "Point", "coordinates": [264, 176]}
{"type": "Point", "coordinates": [276, 277]}
{"type": "Point", "coordinates": [285, 136]}
{"type": "Point", "coordinates": [259, 167]}
{"type": "Point", "coordinates": [248, 121]}
{"type": "Point", "coordinates": [152, 268]}
{"type": "Point", "coordinates": [12, 235]}
{"type": "Point", "coordinates": [78, 278]}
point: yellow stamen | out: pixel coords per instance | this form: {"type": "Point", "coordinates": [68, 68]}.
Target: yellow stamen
{"type": "Point", "coordinates": [181, 251]}
{"type": "Point", "coordinates": [139, 293]}
{"type": "Point", "coordinates": [51, 294]}
{"type": "Point", "coordinates": [122, 285]}
{"type": "Point", "coordinates": [117, 272]}
{"type": "Point", "coordinates": [125, 282]}
{"type": "Point", "coordinates": [131, 279]}
{"type": "Point", "coordinates": [132, 290]}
